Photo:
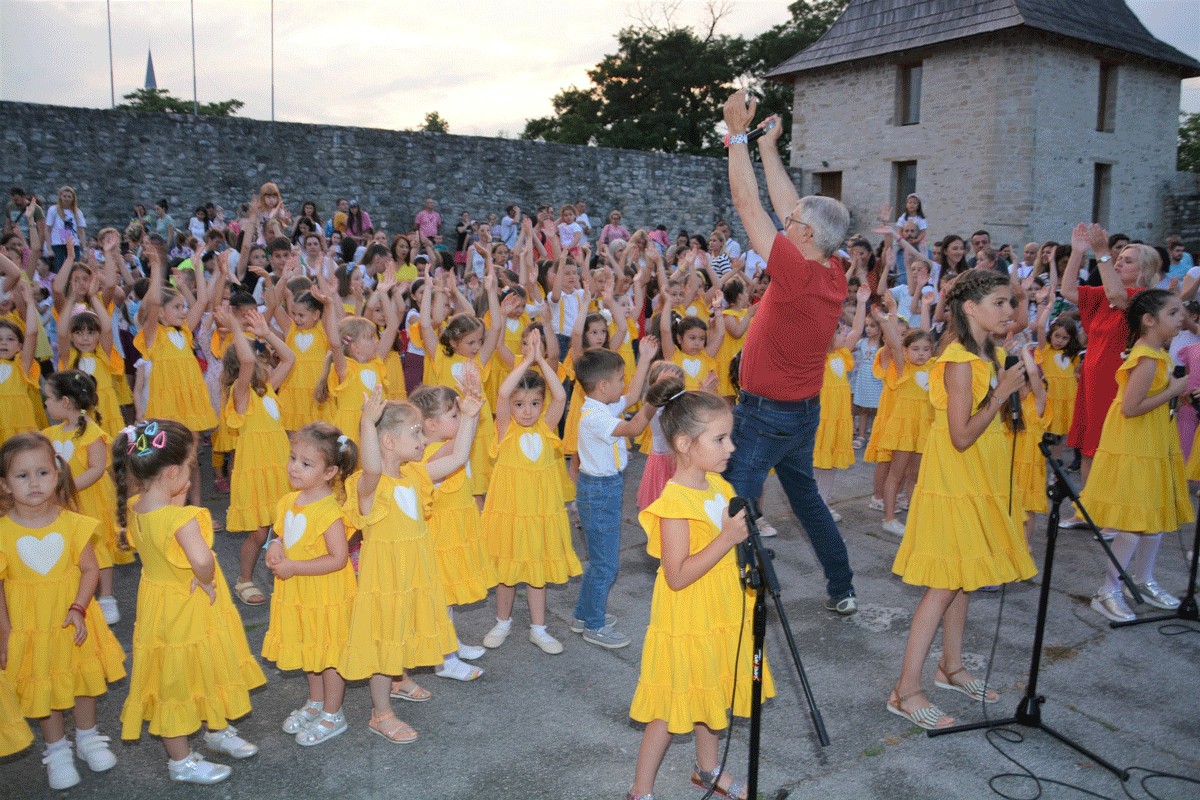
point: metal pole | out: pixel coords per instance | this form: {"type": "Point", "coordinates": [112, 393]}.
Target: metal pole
{"type": "Point", "coordinates": [112, 84]}
{"type": "Point", "coordinates": [272, 60]}
{"type": "Point", "coordinates": [195, 103]}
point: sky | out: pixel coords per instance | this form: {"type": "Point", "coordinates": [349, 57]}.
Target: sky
{"type": "Point", "coordinates": [486, 66]}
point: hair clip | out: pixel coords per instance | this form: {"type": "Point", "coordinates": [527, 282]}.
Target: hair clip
{"type": "Point", "coordinates": [676, 396]}
{"type": "Point", "coordinates": [151, 438]}
{"type": "Point", "coordinates": [342, 441]}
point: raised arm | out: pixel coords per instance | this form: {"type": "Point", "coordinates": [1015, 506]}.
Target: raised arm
{"type": "Point", "coordinates": [716, 335]}
{"type": "Point", "coordinates": [496, 328]}
{"type": "Point", "coordinates": [779, 185]}
{"type": "Point", "coordinates": [637, 383]}
{"type": "Point", "coordinates": [580, 324]}
{"type": "Point", "coordinates": [240, 391]}
{"type": "Point", "coordinates": [425, 318]}
{"type": "Point", "coordinates": [29, 346]}
{"type": "Point", "coordinates": [152, 302]}
{"type": "Point", "coordinates": [63, 278]}
{"type": "Point", "coordinates": [370, 460]}
{"type": "Point", "coordinates": [1070, 276]}
{"type": "Point", "coordinates": [469, 406]}
{"type": "Point", "coordinates": [1114, 290]}
{"type": "Point", "coordinates": [196, 310]}
{"type": "Point", "coordinates": [287, 359]}
{"type": "Point", "coordinates": [851, 337]}
{"type": "Point", "coordinates": [665, 337]}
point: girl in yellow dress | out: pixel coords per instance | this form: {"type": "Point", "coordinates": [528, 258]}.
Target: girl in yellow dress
{"type": "Point", "coordinates": [192, 665]}
{"type": "Point", "coordinates": [736, 317]}
{"type": "Point", "coordinates": [693, 344]}
{"type": "Point", "coordinates": [176, 385]}
{"type": "Point", "coordinates": [833, 445]}
{"type": "Point", "coordinates": [15, 734]}
{"type": "Point", "coordinates": [1137, 485]}
{"type": "Point", "coordinates": [455, 526]}
{"type": "Point", "coordinates": [525, 522]}
{"type": "Point", "coordinates": [1058, 355]}
{"type": "Point", "coordinates": [515, 318]}
{"type": "Point", "coordinates": [393, 365]}
{"type": "Point", "coordinates": [88, 347]}
{"type": "Point", "coordinates": [307, 340]}
{"type": "Point", "coordinates": [699, 608]}
{"type": "Point", "coordinates": [260, 462]}
{"type": "Point", "coordinates": [83, 447]}
{"type": "Point", "coordinates": [18, 371]}
{"type": "Point", "coordinates": [964, 526]}
{"type": "Point", "coordinates": [314, 581]}
{"type": "Point", "coordinates": [591, 330]}
{"type": "Point", "coordinates": [56, 649]}
{"type": "Point", "coordinates": [1029, 465]}
{"type": "Point", "coordinates": [399, 620]}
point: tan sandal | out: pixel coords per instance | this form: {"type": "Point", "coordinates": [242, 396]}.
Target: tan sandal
{"type": "Point", "coordinates": [409, 690]}
{"type": "Point", "coordinates": [975, 688]}
{"type": "Point", "coordinates": [390, 727]}
{"type": "Point", "coordinates": [249, 594]}
{"type": "Point", "coordinates": [926, 717]}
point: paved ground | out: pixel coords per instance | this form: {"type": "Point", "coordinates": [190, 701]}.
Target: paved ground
{"type": "Point", "coordinates": [557, 727]}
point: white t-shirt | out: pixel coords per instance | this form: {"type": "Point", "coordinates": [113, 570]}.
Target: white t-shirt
{"type": "Point", "coordinates": [570, 233]}
{"type": "Point", "coordinates": [600, 453]}
{"type": "Point", "coordinates": [564, 313]}
{"type": "Point", "coordinates": [584, 224]}
{"type": "Point", "coordinates": [733, 249]}
{"type": "Point", "coordinates": [921, 223]}
{"type": "Point", "coordinates": [61, 221]}
{"type": "Point", "coordinates": [754, 263]}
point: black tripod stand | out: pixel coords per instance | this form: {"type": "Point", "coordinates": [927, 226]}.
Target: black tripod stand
{"type": "Point", "coordinates": [758, 573]}
{"type": "Point", "coordinates": [1187, 606]}
{"type": "Point", "coordinates": [1029, 710]}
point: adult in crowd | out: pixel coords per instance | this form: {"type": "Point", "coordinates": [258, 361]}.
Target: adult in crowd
{"type": "Point", "coordinates": [358, 222]}
{"type": "Point", "coordinates": [1181, 259]}
{"type": "Point", "coordinates": [19, 215]}
{"type": "Point", "coordinates": [783, 354]}
{"type": "Point", "coordinates": [65, 221]}
{"type": "Point", "coordinates": [428, 221]}
{"type": "Point", "coordinates": [510, 226]}
{"type": "Point", "coordinates": [613, 230]}
{"type": "Point", "coordinates": [981, 240]}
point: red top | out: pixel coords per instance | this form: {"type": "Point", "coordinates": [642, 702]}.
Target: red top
{"type": "Point", "coordinates": [1107, 339]}
{"type": "Point", "coordinates": [783, 354]}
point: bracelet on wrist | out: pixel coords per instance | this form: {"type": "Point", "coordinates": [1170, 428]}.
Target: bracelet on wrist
{"type": "Point", "coordinates": [736, 138]}
{"type": "Point", "coordinates": [76, 607]}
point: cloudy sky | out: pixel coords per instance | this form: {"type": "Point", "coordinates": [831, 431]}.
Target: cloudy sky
{"type": "Point", "coordinates": [484, 65]}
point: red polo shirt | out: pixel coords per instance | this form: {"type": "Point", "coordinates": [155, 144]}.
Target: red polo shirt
{"type": "Point", "coordinates": [783, 356]}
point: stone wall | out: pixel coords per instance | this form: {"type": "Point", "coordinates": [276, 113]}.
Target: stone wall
{"type": "Point", "coordinates": [1182, 210]}
{"type": "Point", "coordinates": [117, 158]}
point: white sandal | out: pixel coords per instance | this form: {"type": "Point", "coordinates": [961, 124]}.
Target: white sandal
{"type": "Point", "coordinates": [324, 729]}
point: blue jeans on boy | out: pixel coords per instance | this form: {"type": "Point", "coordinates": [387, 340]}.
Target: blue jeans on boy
{"type": "Point", "coordinates": [772, 434]}
{"type": "Point", "coordinates": [598, 501]}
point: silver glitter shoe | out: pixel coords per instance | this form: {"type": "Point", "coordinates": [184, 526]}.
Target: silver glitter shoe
{"type": "Point", "coordinates": [1112, 606]}
{"type": "Point", "coordinates": [1155, 595]}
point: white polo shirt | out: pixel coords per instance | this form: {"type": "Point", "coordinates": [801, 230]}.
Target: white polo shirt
{"type": "Point", "coordinates": [600, 453]}
{"type": "Point", "coordinates": [564, 313]}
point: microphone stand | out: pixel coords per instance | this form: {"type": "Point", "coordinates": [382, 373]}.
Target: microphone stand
{"type": "Point", "coordinates": [759, 575]}
{"type": "Point", "coordinates": [1029, 711]}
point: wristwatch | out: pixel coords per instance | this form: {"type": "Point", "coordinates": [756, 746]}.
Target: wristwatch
{"type": "Point", "coordinates": [1104, 259]}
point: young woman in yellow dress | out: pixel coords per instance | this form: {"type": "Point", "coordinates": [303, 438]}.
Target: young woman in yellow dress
{"type": "Point", "coordinates": [83, 446]}
{"type": "Point", "coordinates": [88, 347]}
{"type": "Point", "coordinates": [18, 371]}
{"type": "Point", "coordinates": [964, 525]}
{"type": "Point", "coordinates": [695, 656]}
{"type": "Point", "coordinates": [833, 444]}
{"type": "Point", "coordinates": [55, 648]}
{"type": "Point", "coordinates": [399, 620]}
{"type": "Point", "coordinates": [192, 665]}
{"type": "Point", "coordinates": [1139, 457]}
{"type": "Point", "coordinates": [314, 581]}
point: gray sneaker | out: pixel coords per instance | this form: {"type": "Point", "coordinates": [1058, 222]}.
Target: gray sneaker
{"type": "Point", "coordinates": [579, 626]}
{"type": "Point", "coordinates": [608, 637]}
{"type": "Point", "coordinates": [843, 605]}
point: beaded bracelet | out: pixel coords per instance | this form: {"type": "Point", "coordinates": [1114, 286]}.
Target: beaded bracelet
{"type": "Point", "coordinates": [76, 607]}
{"type": "Point", "coordinates": [736, 138]}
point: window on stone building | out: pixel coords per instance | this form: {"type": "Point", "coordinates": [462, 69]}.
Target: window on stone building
{"type": "Point", "coordinates": [1101, 193]}
{"type": "Point", "coordinates": [1106, 103]}
{"type": "Point", "coordinates": [904, 182]}
{"type": "Point", "coordinates": [908, 94]}
{"type": "Point", "coordinates": [829, 184]}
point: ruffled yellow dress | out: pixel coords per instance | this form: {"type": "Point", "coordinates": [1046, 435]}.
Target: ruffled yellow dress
{"type": "Point", "coordinates": [310, 614]}
{"type": "Point", "coordinates": [177, 388]}
{"type": "Point", "coordinates": [224, 438]}
{"type": "Point", "coordinates": [907, 424]}
{"type": "Point", "coordinates": [874, 454]}
{"type": "Point", "coordinates": [347, 395]}
{"type": "Point", "coordinates": [98, 501]}
{"type": "Point", "coordinates": [696, 308]}
{"type": "Point", "coordinates": [399, 619]}
{"type": "Point", "coordinates": [514, 329]}
{"type": "Point", "coordinates": [1138, 480]}
{"type": "Point", "coordinates": [1061, 386]}
{"type": "Point", "coordinates": [446, 371]}
{"type": "Point", "coordinates": [960, 532]}
{"type": "Point", "coordinates": [525, 524]}
{"type": "Point", "coordinates": [310, 346]}
{"type": "Point", "coordinates": [192, 664]}
{"type": "Point", "coordinates": [108, 369]}
{"type": "Point", "coordinates": [456, 530]}
{"type": "Point", "coordinates": [691, 647]}
{"type": "Point", "coordinates": [833, 447]}
{"type": "Point", "coordinates": [40, 571]}
{"type": "Point", "coordinates": [260, 467]}
{"type": "Point", "coordinates": [1029, 464]}
{"type": "Point", "coordinates": [16, 399]}
{"type": "Point", "coordinates": [15, 734]}
{"type": "Point", "coordinates": [570, 437]}
{"type": "Point", "coordinates": [393, 367]}
{"type": "Point", "coordinates": [732, 345]}
{"type": "Point", "coordinates": [695, 368]}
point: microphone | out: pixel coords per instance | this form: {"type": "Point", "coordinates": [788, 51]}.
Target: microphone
{"type": "Point", "coordinates": [757, 133]}
{"type": "Point", "coordinates": [1180, 371]}
{"type": "Point", "coordinates": [745, 555]}
{"type": "Point", "coordinates": [1014, 399]}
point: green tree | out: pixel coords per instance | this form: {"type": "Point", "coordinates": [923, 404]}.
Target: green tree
{"type": "Point", "coordinates": [161, 100]}
{"type": "Point", "coordinates": [1188, 159]}
{"type": "Point", "coordinates": [435, 123]}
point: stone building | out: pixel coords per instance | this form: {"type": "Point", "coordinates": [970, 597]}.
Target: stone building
{"type": "Point", "coordinates": [1019, 116]}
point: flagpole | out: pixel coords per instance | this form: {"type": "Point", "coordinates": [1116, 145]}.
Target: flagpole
{"type": "Point", "coordinates": [272, 60]}
{"type": "Point", "coordinates": [195, 103]}
{"type": "Point", "coordinates": [112, 84]}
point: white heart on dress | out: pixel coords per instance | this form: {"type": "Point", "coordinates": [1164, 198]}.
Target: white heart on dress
{"type": "Point", "coordinates": [715, 508]}
{"type": "Point", "coordinates": [531, 446]}
{"type": "Point", "coordinates": [294, 526]}
{"type": "Point", "coordinates": [303, 341]}
{"type": "Point", "coordinates": [272, 407]}
{"type": "Point", "coordinates": [691, 366]}
{"type": "Point", "coordinates": [1062, 361]}
{"type": "Point", "coordinates": [922, 379]}
{"type": "Point", "coordinates": [838, 367]}
{"type": "Point", "coordinates": [512, 324]}
{"type": "Point", "coordinates": [369, 379]}
{"type": "Point", "coordinates": [6, 371]}
{"type": "Point", "coordinates": [177, 339]}
{"type": "Point", "coordinates": [457, 370]}
{"type": "Point", "coordinates": [692, 311]}
{"type": "Point", "coordinates": [40, 555]}
{"type": "Point", "coordinates": [65, 449]}
{"type": "Point", "coordinates": [406, 499]}
{"type": "Point", "coordinates": [87, 364]}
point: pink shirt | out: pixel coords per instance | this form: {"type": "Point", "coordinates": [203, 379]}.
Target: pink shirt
{"type": "Point", "coordinates": [428, 222]}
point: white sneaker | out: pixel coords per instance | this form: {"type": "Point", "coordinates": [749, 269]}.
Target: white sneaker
{"type": "Point", "coordinates": [195, 769]}
{"type": "Point", "coordinates": [470, 652]}
{"type": "Point", "coordinates": [228, 742]}
{"type": "Point", "coordinates": [1154, 595]}
{"type": "Point", "coordinates": [496, 636]}
{"type": "Point", "coordinates": [548, 644]}
{"type": "Point", "coordinates": [60, 768]}
{"type": "Point", "coordinates": [766, 530]}
{"type": "Point", "coordinates": [108, 607]}
{"type": "Point", "coordinates": [458, 670]}
{"type": "Point", "coordinates": [1112, 606]}
{"type": "Point", "coordinates": [893, 526]}
{"type": "Point", "coordinates": [94, 751]}
{"type": "Point", "coordinates": [876, 504]}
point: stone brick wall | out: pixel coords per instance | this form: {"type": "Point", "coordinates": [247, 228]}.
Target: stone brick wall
{"type": "Point", "coordinates": [117, 158]}
{"type": "Point", "coordinates": [1182, 210]}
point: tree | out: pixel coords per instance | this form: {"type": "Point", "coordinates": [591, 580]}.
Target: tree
{"type": "Point", "coordinates": [161, 100]}
{"type": "Point", "coordinates": [1188, 159]}
{"type": "Point", "coordinates": [434, 123]}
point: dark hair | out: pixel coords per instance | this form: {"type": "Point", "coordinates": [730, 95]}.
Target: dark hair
{"type": "Point", "coordinates": [683, 413]}
{"type": "Point", "coordinates": [84, 321]}
{"type": "Point", "coordinates": [1117, 237]}
{"type": "Point", "coordinates": [597, 364]}
{"type": "Point", "coordinates": [80, 389]}
{"type": "Point", "coordinates": [460, 325]}
{"type": "Point", "coordinates": [982, 232]}
{"type": "Point", "coordinates": [917, 335]}
{"type": "Point", "coordinates": [15, 328]}
{"type": "Point", "coordinates": [307, 300]}
{"type": "Point", "coordinates": [163, 204]}
{"type": "Point", "coordinates": [973, 286]}
{"type": "Point", "coordinates": [592, 319]}
{"type": "Point", "coordinates": [681, 325]}
{"type": "Point", "coordinates": [1149, 301]}
{"type": "Point", "coordinates": [433, 401]}
{"type": "Point", "coordinates": [140, 457]}
{"type": "Point", "coordinates": [732, 290]}
{"type": "Point", "coordinates": [279, 244]}
{"type": "Point", "coordinates": [242, 300]}
{"type": "Point", "coordinates": [1074, 346]}
{"type": "Point", "coordinates": [373, 252]}
{"type": "Point", "coordinates": [64, 486]}
{"type": "Point", "coordinates": [920, 207]}
{"type": "Point", "coordinates": [336, 449]}
{"type": "Point", "coordinates": [949, 269]}
{"type": "Point", "coordinates": [531, 381]}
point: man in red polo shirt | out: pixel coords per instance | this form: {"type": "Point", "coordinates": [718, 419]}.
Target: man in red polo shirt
{"type": "Point", "coordinates": [783, 355]}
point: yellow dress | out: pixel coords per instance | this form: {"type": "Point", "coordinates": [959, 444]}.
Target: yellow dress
{"type": "Point", "coordinates": [961, 533]}
{"type": "Point", "coordinates": [311, 347]}
{"type": "Point", "coordinates": [697, 308]}
{"type": "Point", "coordinates": [15, 734]}
{"type": "Point", "coordinates": [224, 438]}
{"type": "Point", "coordinates": [260, 467]}
{"type": "Point", "coordinates": [445, 371]}
{"type": "Point", "coordinates": [98, 501]}
{"type": "Point", "coordinates": [732, 345]}
{"type": "Point", "coordinates": [177, 389]}
{"type": "Point", "coordinates": [456, 530]}
{"type": "Point", "coordinates": [525, 524]}
{"type": "Point", "coordinates": [393, 367]}
{"type": "Point", "coordinates": [310, 614]}
{"type": "Point", "coordinates": [347, 396]}
{"type": "Point", "coordinates": [514, 329]}
{"type": "Point", "coordinates": [691, 647]}
{"type": "Point", "coordinates": [107, 369]}
{"type": "Point", "coordinates": [570, 437]}
{"type": "Point", "coordinates": [40, 571]}
{"type": "Point", "coordinates": [1029, 464]}
{"type": "Point", "coordinates": [399, 619]}
{"type": "Point", "coordinates": [874, 454]}
{"type": "Point", "coordinates": [1137, 483]}
{"type": "Point", "coordinates": [906, 426]}
{"type": "Point", "coordinates": [1061, 386]}
{"type": "Point", "coordinates": [16, 400]}
{"type": "Point", "coordinates": [695, 368]}
{"type": "Point", "coordinates": [833, 447]}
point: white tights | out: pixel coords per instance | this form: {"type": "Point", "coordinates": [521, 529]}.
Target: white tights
{"type": "Point", "coordinates": [1136, 553]}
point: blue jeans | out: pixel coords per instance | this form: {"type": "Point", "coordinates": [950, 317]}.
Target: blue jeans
{"type": "Point", "coordinates": [779, 435]}
{"type": "Point", "coordinates": [598, 501]}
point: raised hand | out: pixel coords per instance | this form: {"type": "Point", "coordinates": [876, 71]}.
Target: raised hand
{"type": "Point", "coordinates": [737, 113]}
{"type": "Point", "coordinates": [373, 405]}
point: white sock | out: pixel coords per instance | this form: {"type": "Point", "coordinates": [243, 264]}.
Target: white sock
{"type": "Point", "coordinates": [537, 628]}
{"type": "Point", "coordinates": [81, 734]}
{"type": "Point", "coordinates": [61, 744]}
{"type": "Point", "coordinates": [173, 764]}
{"type": "Point", "coordinates": [504, 624]}
{"type": "Point", "coordinates": [451, 661]}
{"type": "Point", "coordinates": [1123, 546]}
{"type": "Point", "coordinates": [1144, 558]}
